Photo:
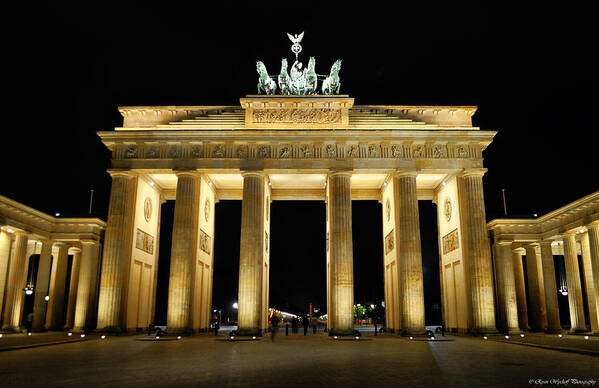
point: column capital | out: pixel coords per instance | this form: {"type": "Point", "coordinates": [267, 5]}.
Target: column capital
{"type": "Point", "coordinates": [88, 242]}
{"type": "Point", "coordinates": [116, 173]}
{"type": "Point", "coordinates": [403, 173]}
{"type": "Point", "coordinates": [256, 173]}
{"type": "Point", "coordinates": [344, 172]}
{"type": "Point", "coordinates": [504, 242]}
{"type": "Point", "coordinates": [473, 172]}
{"type": "Point", "coordinates": [74, 250]}
{"type": "Point", "coordinates": [519, 250]}
{"type": "Point", "coordinates": [190, 173]}
{"type": "Point", "coordinates": [546, 242]}
{"type": "Point", "coordinates": [593, 225]}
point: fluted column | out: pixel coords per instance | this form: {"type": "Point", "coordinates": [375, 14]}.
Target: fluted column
{"type": "Point", "coordinates": [73, 285]}
{"type": "Point", "coordinates": [17, 273]}
{"type": "Point", "coordinates": [5, 243]}
{"type": "Point", "coordinates": [341, 253]}
{"type": "Point", "coordinates": [410, 255]}
{"type": "Point", "coordinates": [589, 281]}
{"type": "Point", "coordinates": [184, 246]}
{"type": "Point", "coordinates": [506, 288]}
{"type": "Point", "coordinates": [117, 243]}
{"type": "Point", "coordinates": [58, 280]}
{"type": "Point", "coordinates": [574, 285]}
{"type": "Point", "coordinates": [251, 254]}
{"type": "Point", "coordinates": [536, 295]}
{"type": "Point", "coordinates": [478, 251]}
{"type": "Point", "coordinates": [520, 288]}
{"type": "Point", "coordinates": [550, 288]}
{"type": "Point", "coordinates": [593, 232]}
{"type": "Point", "coordinates": [87, 286]}
{"type": "Point", "coordinates": [42, 287]}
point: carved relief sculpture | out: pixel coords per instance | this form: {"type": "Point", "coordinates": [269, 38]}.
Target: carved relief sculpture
{"type": "Point", "coordinates": [330, 150]}
{"type": "Point", "coordinates": [205, 241]}
{"type": "Point", "coordinates": [148, 209]}
{"type": "Point", "coordinates": [439, 151]}
{"type": "Point", "coordinates": [285, 151]}
{"type": "Point", "coordinates": [388, 209]}
{"type": "Point", "coordinates": [218, 151]}
{"type": "Point", "coordinates": [462, 151]}
{"type": "Point", "coordinates": [196, 151]}
{"type": "Point", "coordinates": [242, 151]}
{"type": "Point", "coordinates": [263, 151]}
{"type": "Point", "coordinates": [144, 242]}
{"type": "Point", "coordinates": [389, 242]}
{"type": "Point", "coordinates": [418, 151]}
{"type": "Point", "coordinates": [173, 151]}
{"type": "Point", "coordinates": [447, 209]}
{"type": "Point", "coordinates": [352, 151]}
{"type": "Point", "coordinates": [374, 151]}
{"type": "Point", "coordinates": [450, 241]}
{"type": "Point", "coordinates": [131, 151]}
{"type": "Point", "coordinates": [396, 151]}
{"type": "Point", "coordinates": [306, 151]}
{"type": "Point", "coordinates": [207, 210]}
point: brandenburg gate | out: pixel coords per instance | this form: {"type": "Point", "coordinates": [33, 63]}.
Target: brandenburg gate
{"type": "Point", "coordinates": [289, 147]}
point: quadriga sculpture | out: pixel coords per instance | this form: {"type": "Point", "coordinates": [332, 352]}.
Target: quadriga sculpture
{"type": "Point", "coordinates": [311, 77]}
{"type": "Point", "coordinates": [284, 80]}
{"type": "Point", "coordinates": [332, 84]}
{"type": "Point", "coordinates": [265, 83]}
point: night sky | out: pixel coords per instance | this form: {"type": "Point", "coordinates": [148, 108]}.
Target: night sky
{"type": "Point", "coordinates": [531, 72]}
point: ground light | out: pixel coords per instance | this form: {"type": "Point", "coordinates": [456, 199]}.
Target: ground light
{"type": "Point", "coordinates": [522, 335]}
{"type": "Point", "coordinates": [507, 337]}
{"type": "Point", "coordinates": [433, 338]}
{"type": "Point", "coordinates": [560, 335]}
{"type": "Point", "coordinates": [178, 337]}
{"type": "Point", "coordinates": [28, 333]}
{"type": "Point", "coordinates": [157, 337]}
{"type": "Point", "coordinates": [82, 335]}
{"type": "Point", "coordinates": [586, 337]}
{"type": "Point", "coordinates": [485, 337]}
{"type": "Point", "coordinates": [69, 334]}
{"type": "Point", "coordinates": [357, 337]}
{"type": "Point", "coordinates": [254, 337]}
{"type": "Point", "coordinates": [232, 337]}
{"type": "Point", "coordinates": [102, 337]}
{"type": "Point", "coordinates": [334, 337]}
{"type": "Point", "coordinates": [411, 338]}
{"type": "Point", "coordinates": [1, 335]}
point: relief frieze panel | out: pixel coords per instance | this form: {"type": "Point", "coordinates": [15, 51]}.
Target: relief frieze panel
{"type": "Point", "coordinates": [297, 116]}
{"type": "Point", "coordinates": [450, 242]}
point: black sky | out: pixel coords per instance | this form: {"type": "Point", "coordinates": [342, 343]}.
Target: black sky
{"type": "Point", "coordinates": [530, 70]}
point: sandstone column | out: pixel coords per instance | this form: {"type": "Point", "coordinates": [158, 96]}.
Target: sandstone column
{"type": "Point", "coordinates": [535, 293]}
{"type": "Point", "coordinates": [251, 254]}
{"type": "Point", "coordinates": [73, 285]}
{"type": "Point", "coordinates": [5, 243]}
{"type": "Point", "coordinates": [593, 232]}
{"type": "Point", "coordinates": [574, 286]}
{"type": "Point", "coordinates": [58, 280]}
{"type": "Point", "coordinates": [478, 251]}
{"type": "Point", "coordinates": [506, 288]}
{"type": "Point", "coordinates": [184, 246]}
{"type": "Point", "coordinates": [520, 288]}
{"type": "Point", "coordinates": [117, 243]}
{"type": "Point", "coordinates": [410, 255]}
{"type": "Point", "coordinates": [553, 321]}
{"type": "Point", "coordinates": [17, 274]}
{"type": "Point", "coordinates": [341, 253]}
{"type": "Point", "coordinates": [589, 281]}
{"type": "Point", "coordinates": [87, 286]}
{"type": "Point", "coordinates": [42, 286]}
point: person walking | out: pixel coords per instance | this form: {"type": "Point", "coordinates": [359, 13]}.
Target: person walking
{"type": "Point", "coordinates": [29, 322]}
{"type": "Point", "coordinates": [314, 323]}
{"type": "Point", "coordinates": [294, 325]}
{"type": "Point", "coordinates": [305, 323]}
{"type": "Point", "coordinates": [275, 323]}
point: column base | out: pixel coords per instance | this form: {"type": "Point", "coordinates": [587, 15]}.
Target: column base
{"type": "Point", "coordinates": [483, 330]}
{"type": "Point", "coordinates": [11, 329]}
{"type": "Point", "coordinates": [554, 331]}
{"type": "Point", "coordinates": [249, 331]}
{"type": "Point", "coordinates": [179, 331]}
{"type": "Point", "coordinates": [110, 329]}
{"type": "Point", "coordinates": [414, 331]}
{"type": "Point", "coordinates": [343, 332]}
{"type": "Point", "coordinates": [578, 331]}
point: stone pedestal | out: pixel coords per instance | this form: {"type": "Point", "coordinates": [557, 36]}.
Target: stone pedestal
{"type": "Point", "coordinates": [536, 295]}
{"type": "Point", "coordinates": [589, 281]}
{"type": "Point", "coordinates": [341, 253]}
{"type": "Point", "coordinates": [184, 246]}
{"type": "Point", "coordinates": [506, 288]}
{"type": "Point", "coordinates": [58, 280]}
{"type": "Point", "coordinates": [574, 285]}
{"type": "Point", "coordinates": [553, 321]}
{"type": "Point", "coordinates": [478, 252]}
{"type": "Point", "coordinates": [42, 287]}
{"type": "Point", "coordinates": [17, 273]}
{"type": "Point", "coordinates": [117, 251]}
{"type": "Point", "coordinates": [410, 256]}
{"type": "Point", "coordinates": [520, 288]}
{"type": "Point", "coordinates": [73, 288]}
{"type": "Point", "coordinates": [86, 307]}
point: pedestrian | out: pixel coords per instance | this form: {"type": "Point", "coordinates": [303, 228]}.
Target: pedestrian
{"type": "Point", "coordinates": [294, 325]}
{"type": "Point", "coordinates": [443, 329]}
{"type": "Point", "coordinates": [215, 324]}
{"type": "Point", "coordinates": [305, 323]}
{"type": "Point", "coordinates": [29, 322]}
{"type": "Point", "coordinates": [314, 323]}
{"type": "Point", "coordinates": [275, 323]}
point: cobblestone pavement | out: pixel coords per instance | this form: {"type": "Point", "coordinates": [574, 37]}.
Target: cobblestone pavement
{"type": "Point", "coordinates": [314, 360]}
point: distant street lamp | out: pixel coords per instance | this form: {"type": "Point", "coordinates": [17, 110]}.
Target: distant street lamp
{"type": "Point", "coordinates": [235, 305]}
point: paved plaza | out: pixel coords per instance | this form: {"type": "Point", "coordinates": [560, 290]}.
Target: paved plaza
{"type": "Point", "coordinates": [314, 360]}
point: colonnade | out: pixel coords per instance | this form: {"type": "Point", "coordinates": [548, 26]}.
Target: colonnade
{"type": "Point", "coordinates": [50, 292]}
{"type": "Point", "coordinates": [542, 311]}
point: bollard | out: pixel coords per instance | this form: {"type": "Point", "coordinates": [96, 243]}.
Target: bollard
{"type": "Point", "coordinates": [287, 329]}
{"type": "Point", "coordinates": [375, 328]}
